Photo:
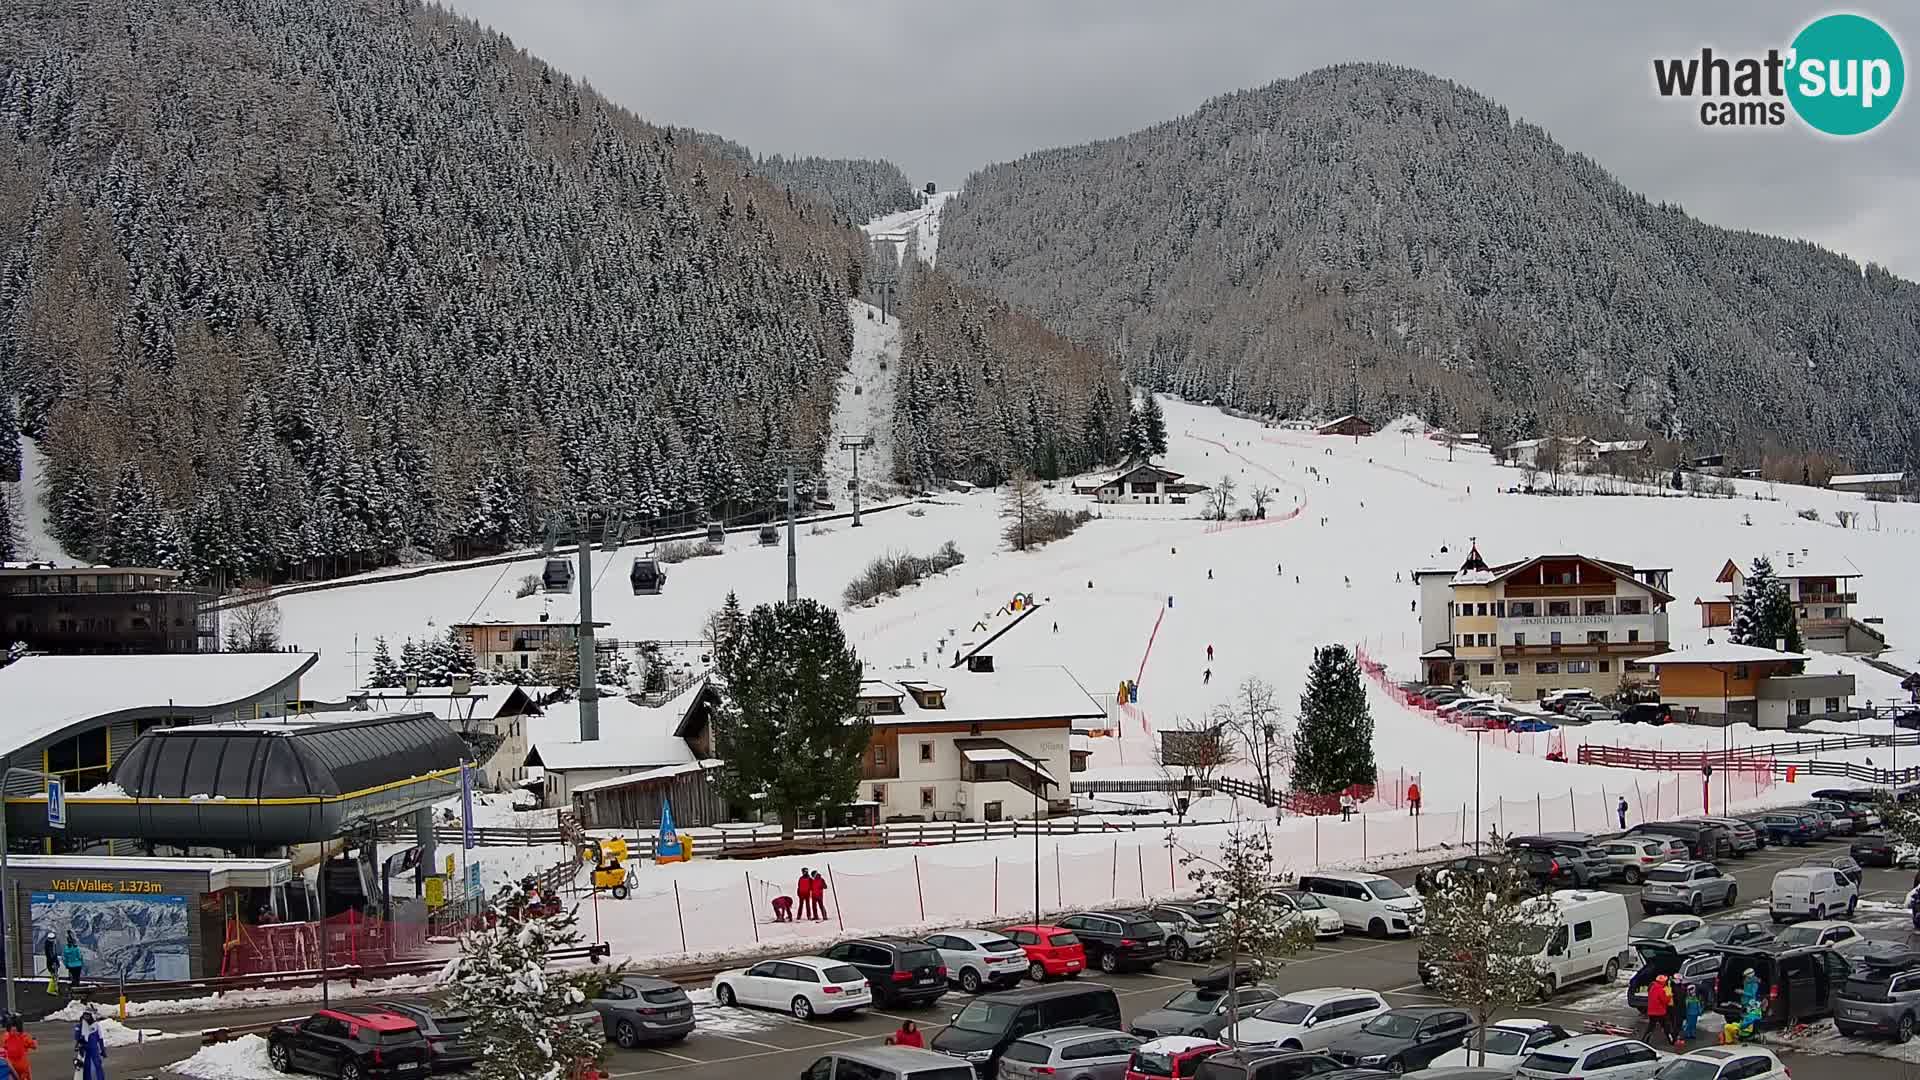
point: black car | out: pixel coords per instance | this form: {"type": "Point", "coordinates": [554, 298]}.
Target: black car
{"type": "Point", "coordinates": [1403, 1040]}
{"type": "Point", "coordinates": [1705, 841]}
{"type": "Point", "coordinates": [364, 1043]}
{"type": "Point", "coordinates": [1115, 941]}
{"type": "Point", "coordinates": [1253, 1063]}
{"type": "Point", "coordinates": [901, 972]}
{"type": "Point", "coordinates": [1573, 855]}
{"type": "Point", "coordinates": [1478, 867]}
{"type": "Point", "coordinates": [1549, 871]}
{"type": "Point", "coordinates": [446, 1034]}
{"type": "Point", "coordinates": [1874, 849]}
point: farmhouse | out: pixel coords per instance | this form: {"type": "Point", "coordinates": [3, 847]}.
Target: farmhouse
{"type": "Point", "coordinates": [1346, 425]}
{"type": "Point", "coordinates": [1891, 483]}
{"type": "Point", "coordinates": [1141, 483]}
{"type": "Point", "coordinates": [1823, 600]}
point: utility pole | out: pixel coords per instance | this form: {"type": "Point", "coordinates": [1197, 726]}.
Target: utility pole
{"type": "Point", "coordinates": [856, 443]}
{"type": "Point", "coordinates": [793, 567]}
{"type": "Point", "coordinates": [587, 655]}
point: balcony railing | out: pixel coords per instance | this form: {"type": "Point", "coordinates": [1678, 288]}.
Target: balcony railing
{"type": "Point", "coordinates": [1579, 648]}
{"type": "Point", "coordinates": [1829, 598]}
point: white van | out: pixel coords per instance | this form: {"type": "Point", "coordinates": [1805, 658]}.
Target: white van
{"type": "Point", "coordinates": [1377, 905]}
{"type": "Point", "coordinates": [1811, 892]}
{"type": "Point", "coordinates": [1589, 940]}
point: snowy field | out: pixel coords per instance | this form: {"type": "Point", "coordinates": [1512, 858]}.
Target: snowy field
{"type": "Point", "coordinates": [1140, 593]}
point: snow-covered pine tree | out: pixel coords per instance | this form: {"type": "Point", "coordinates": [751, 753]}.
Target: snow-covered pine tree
{"type": "Point", "coordinates": [9, 525]}
{"type": "Point", "coordinates": [1482, 932]}
{"type": "Point", "coordinates": [1333, 741]}
{"type": "Point", "coordinates": [460, 657]}
{"type": "Point", "coordinates": [411, 662]}
{"type": "Point", "coordinates": [1254, 929]}
{"type": "Point", "coordinates": [1134, 441]}
{"type": "Point", "coordinates": [384, 673]}
{"type": "Point", "coordinates": [9, 440]}
{"type": "Point", "coordinates": [517, 1003]}
{"type": "Point", "coordinates": [1763, 614]}
{"type": "Point", "coordinates": [723, 626]}
{"type": "Point", "coordinates": [1153, 423]}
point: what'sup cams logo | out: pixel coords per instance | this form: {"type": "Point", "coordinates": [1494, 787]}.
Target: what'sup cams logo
{"type": "Point", "coordinates": [1842, 76]}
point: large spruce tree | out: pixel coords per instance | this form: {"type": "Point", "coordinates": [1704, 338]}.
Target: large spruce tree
{"type": "Point", "coordinates": [1763, 614]}
{"type": "Point", "coordinates": [1333, 742]}
{"type": "Point", "coordinates": [1155, 423]}
{"type": "Point", "coordinates": [786, 725]}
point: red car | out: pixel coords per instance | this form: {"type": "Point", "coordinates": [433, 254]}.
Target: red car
{"type": "Point", "coordinates": [1174, 1057]}
{"type": "Point", "coordinates": [1052, 951]}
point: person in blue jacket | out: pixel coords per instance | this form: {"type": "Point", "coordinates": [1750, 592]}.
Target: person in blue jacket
{"type": "Point", "coordinates": [89, 1048]}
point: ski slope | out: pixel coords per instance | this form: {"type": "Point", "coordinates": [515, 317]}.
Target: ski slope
{"type": "Point", "coordinates": [864, 406]}
{"type": "Point", "coordinates": [920, 224]}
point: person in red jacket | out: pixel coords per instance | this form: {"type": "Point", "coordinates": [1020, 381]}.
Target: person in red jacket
{"type": "Point", "coordinates": [1657, 1004]}
{"type": "Point", "coordinates": [819, 896]}
{"type": "Point", "coordinates": [1413, 798]}
{"type": "Point", "coordinates": [907, 1035]}
{"type": "Point", "coordinates": [803, 892]}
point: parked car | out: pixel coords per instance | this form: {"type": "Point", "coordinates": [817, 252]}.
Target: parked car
{"type": "Point", "coordinates": [1266, 1063]}
{"type": "Point", "coordinates": [806, 986]}
{"type": "Point", "coordinates": [1738, 932]}
{"type": "Point", "coordinates": [1681, 933]}
{"type": "Point", "coordinates": [1839, 821]}
{"type": "Point", "coordinates": [1875, 849]}
{"type": "Point", "coordinates": [1189, 928]}
{"type": "Point", "coordinates": [1403, 1040]}
{"type": "Point", "coordinates": [1796, 981]}
{"type": "Point", "coordinates": [1051, 951]}
{"type": "Point", "coordinates": [350, 1044]}
{"type": "Point", "coordinates": [1310, 1019]}
{"type": "Point", "coordinates": [1310, 909]}
{"type": "Point", "coordinates": [1847, 866]}
{"type": "Point", "coordinates": [1746, 838]}
{"type": "Point", "coordinates": [1561, 700]}
{"type": "Point", "coordinates": [990, 1023]}
{"type": "Point", "coordinates": [1591, 861]}
{"type": "Point", "coordinates": [1839, 936]}
{"type": "Point", "coordinates": [1725, 1063]}
{"type": "Point", "coordinates": [1592, 713]}
{"type": "Point", "coordinates": [638, 1009]}
{"type": "Point", "coordinates": [1687, 886]}
{"type": "Point", "coordinates": [1647, 712]}
{"type": "Point", "coordinates": [1820, 822]}
{"type": "Point", "coordinates": [1071, 1053]}
{"type": "Point", "coordinates": [1548, 870]}
{"type": "Point", "coordinates": [1507, 1043]}
{"type": "Point", "coordinates": [1783, 828]}
{"type": "Point", "coordinates": [1588, 939]}
{"type": "Point", "coordinates": [1202, 1010]}
{"type": "Point", "coordinates": [1117, 941]}
{"type": "Point", "coordinates": [1430, 878]}
{"type": "Point", "coordinates": [1881, 994]}
{"type": "Point", "coordinates": [977, 958]}
{"type": "Point", "coordinates": [1172, 1057]}
{"type": "Point", "coordinates": [1592, 1057]}
{"type": "Point", "coordinates": [1811, 892]}
{"type": "Point", "coordinates": [900, 972]}
{"type": "Point", "coordinates": [1632, 856]}
{"type": "Point", "coordinates": [1700, 971]}
{"type": "Point", "coordinates": [1861, 815]}
{"type": "Point", "coordinates": [1370, 902]}
{"type": "Point", "coordinates": [446, 1031]}
{"type": "Point", "coordinates": [886, 1063]}
{"type": "Point", "coordinates": [1704, 841]}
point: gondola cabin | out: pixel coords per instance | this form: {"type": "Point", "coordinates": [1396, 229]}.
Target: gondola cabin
{"type": "Point", "coordinates": [716, 533]}
{"type": "Point", "coordinates": [769, 536]}
{"type": "Point", "coordinates": [648, 577]}
{"type": "Point", "coordinates": [558, 576]}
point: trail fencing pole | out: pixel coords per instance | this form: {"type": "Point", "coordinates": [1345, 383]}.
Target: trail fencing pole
{"type": "Point", "coordinates": [839, 913]}
{"type": "Point", "coordinates": [919, 890]}
{"type": "Point", "coordinates": [1113, 883]}
{"type": "Point", "coordinates": [1363, 835]}
{"type": "Point", "coordinates": [682, 915]}
{"type": "Point", "coordinates": [1140, 859]}
{"type": "Point", "coordinates": [753, 913]}
{"type": "Point", "coordinates": [1539, 815]}
{"type": "Point", "coordinates": [1316, 840]}
{"type": "Point", "coordinates": [996, 884]}
{"type": "Point", "coordinates": [1573, 810]}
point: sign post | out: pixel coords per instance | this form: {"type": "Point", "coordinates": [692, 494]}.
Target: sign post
{"type": "Point", "coordinates": [56, 803]}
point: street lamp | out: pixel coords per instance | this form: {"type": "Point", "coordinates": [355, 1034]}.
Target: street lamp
{"type": "Point", "coordinates": [6, 899]}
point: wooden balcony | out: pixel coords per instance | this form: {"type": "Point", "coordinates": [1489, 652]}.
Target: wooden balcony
{"type": "Point", "coordinates": [1585, 648]}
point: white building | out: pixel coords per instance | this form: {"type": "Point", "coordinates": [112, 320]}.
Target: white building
{"type": "Point", "coordinates": [1139, 484]}
{"type": "Point", "coordinates": [971, 745]}
{"type": "Point", "coordinates": [1889, 483]}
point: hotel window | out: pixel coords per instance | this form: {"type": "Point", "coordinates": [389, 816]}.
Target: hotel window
{"type": "Point", "coordinates": [1606, 666]}
{"type": "Point", "coordinates": [1510, 668]}
{"type": "Point", "coordinates": [1596, 637]}
{"type": "Point", "coordinates": [1593, 607]}
{"type": "Point", "coordinates": [926, 751]}
{"type": "Point", "coordinates": [1547, 667]}
{"type": "Point", "coordinates": [1739, 671]}
{"type": "Point", "coordinates": [1483, 640]}
{"type": "Point", "coordinates": [1500, 609]}
{"type": "Point", "coordinates": [1525, 609]}
{"type": "Point", "coordinates": [1633, 635]}
{"type": "Point", "coordinates": [926, 798]}
{"type": "Point", "coordinates": [1833, 704]}
{"type": "Point", "coordinates": [1559, 607]}
{"type": "Point", "coordinates": [1487, 669]}
{"type": "Point", "coordinates": [1802, 707]}
{"type": "Point", "coordinates": [1831, 613]}
{"type": "Point", "coordinates": [1630, 605]}
{"type": "Point", "coordinates": [1466, 641]}
{"type": "Point", "coordinates": [1482, 609]}
{"type": "Point", "coordinates": [879, 793]}
{"type": "Point", "coordinates": [879, 757]}
{"type": "Point", "coordinates": [505, 636]}
{"type": "Point", "coordinates": [1553, 638]}
{"type": "Point", "coordinates": [1579, 667]}
{"type": "Point", "coordinates": [1519, 638]}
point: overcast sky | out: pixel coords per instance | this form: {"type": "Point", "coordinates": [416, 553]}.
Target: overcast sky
{"type": "Point", "coordinates": [944, 88]}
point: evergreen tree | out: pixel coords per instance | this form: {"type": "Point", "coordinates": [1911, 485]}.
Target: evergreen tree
{"type": "Point", "coordinates": [138, 532]}
{"type": "Point", "coordinates": [518, 1003]}
{"type": "Point", "coordinates": [9, 440]}
{"type": "Point", "coordinates": [1154, 423]}
{"type": "Point", "coordinates": [1483, 930]}
{"type": "Point", "coordinates": [1763, 613]}
{"type": "Point", "coordinates": [787, 726]}
{"type": "Point", "coordinates": [725, 624]}
{"type": "Point", "coordinates": [9, 525]}
{"type": "Point", "coordinates": [1135, 443]}
{"type": "Point", "coordinates": [1333, 740]}
{"type": "Point", "coordinates": [410, 661]}
{"type": "Point", "coordinates": [384, 674]}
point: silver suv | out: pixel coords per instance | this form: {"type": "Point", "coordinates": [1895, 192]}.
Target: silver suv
{"type": "Point", "coordinates": [1072, 1053]}
{"type": "Point", "coordinates": [1686, 886]}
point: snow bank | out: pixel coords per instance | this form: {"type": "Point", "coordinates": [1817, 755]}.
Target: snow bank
{"type": "Point", "coordinates": [244, 1058]}
{"type": "Point", "coordinates": [115, 1033]}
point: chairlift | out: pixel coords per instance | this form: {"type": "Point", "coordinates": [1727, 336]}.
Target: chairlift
{"type": "Point", "coordinates": [648, 577]}
{"type": "Point", "coordinates": [716, 533]}
{"type": "Point", "coordinates": [558, 576]}
{"type": "Point", "coordinates": [769, 536]}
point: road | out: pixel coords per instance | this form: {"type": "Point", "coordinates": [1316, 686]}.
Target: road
{"type": "Point", "coordinates": [744, 1044]}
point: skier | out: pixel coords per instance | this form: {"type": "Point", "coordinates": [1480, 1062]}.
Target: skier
{"type": "Point", "coordinates": [1209, 573]}
{"type": "Point", "coordinates": [89, 1047]}
{"type": "Point", "coordinates": [1347, 579]}
{"type": "Point", "coordinates": [1621, 809]}
{"type": "Point", "coordinates": [1206, 676]}
{"type": "Point", "coordinates": [73, 959]}
{"type": "Point", "coordinates": [51, 949]}
{"type": "Point", "coordinates": [819, 896]}
{"type": "Point", "coordinates": [1209, 654]}
{"type": "Point", "coordinates": [1413, 799]}
{"type": "Point", "coordinates": [1280, 569]}
{"type": "Point", "coordinates": [1413, 605]}
{"type": "Point", "coordinates": [1346, 806]}
{"type": "Point", "coordinates": [783, 909]}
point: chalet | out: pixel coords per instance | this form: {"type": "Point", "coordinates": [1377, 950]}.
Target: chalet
{"type": "Point", "coordinates": [1890, 483]}
{"type": "Point", "coordinates": [509, 643]}
{"type": "Point", "coordinates": [1620, 452]}
{"type": "Point", "coordinates": [1143, 483]}
{"type": "Point", "coordinates": [1823, 601]}
{"type": "Point", "coordinates": [1346, 425]}
{"type": "Point", "coordinates": [1541, 623]}
{"type": "Point", "coordinates": [1743, 684]}
{"type": "Point", "coordinates": [971, 745]}
{"type": "Point", "coordinates": [634, 739]}
{"type": "Point", "coordinates": [1525, 454]}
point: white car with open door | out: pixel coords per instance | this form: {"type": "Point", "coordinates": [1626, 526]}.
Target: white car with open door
{"type": "Point", "coordinates": [806, 986]}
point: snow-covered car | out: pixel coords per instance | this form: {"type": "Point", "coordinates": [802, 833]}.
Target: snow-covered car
{"type": "Point", "coordinates": [1592, 1057]}
{"type": "Point", "coordinates": [1725, 1063]}
{"type": "Point", "coordinates": [1508, 1044]}
{"type": "Point", "coordinates": [806, 986]}
{"type": "Point", "coordinates": [1310, 1019]}
{"type": "Point", "coordinates": [976, 958]}
{"type": "Point", "coordinates": [1681, 933]}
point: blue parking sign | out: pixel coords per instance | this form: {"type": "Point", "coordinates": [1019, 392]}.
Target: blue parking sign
{"type": "Point", "coordinates": [56, 803]}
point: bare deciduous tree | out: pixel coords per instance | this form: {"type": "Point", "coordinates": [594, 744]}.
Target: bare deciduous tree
{"type": "Point", "coordinates": [253, 624]}
{"type": "Point", "coordinates": [1253, 721]}
{"type": "Point", "coordinates": [1261, 496]}
{"type": "Point", "coordinates": [1220, 499]}
{"type": "Point", "coordinates": [1194, 751]}
{"type": "Point", "coordinates": [1022, 506]}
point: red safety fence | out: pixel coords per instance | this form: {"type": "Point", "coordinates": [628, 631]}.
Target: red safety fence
{"type": "Point", "coordinates": [349, 938]}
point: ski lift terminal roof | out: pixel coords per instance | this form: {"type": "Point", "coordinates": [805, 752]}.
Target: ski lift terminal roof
{"type": "Point", "coordinates": [47, 696]}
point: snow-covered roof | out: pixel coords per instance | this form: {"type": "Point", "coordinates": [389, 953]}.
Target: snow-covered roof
{"type": "Point", "coordinates": [664, 772]}
{"type": "Point", "coordinates": [984, 754]}
{"type": "Point", "coordinates": [1723, 653]}
{"type": "Point", "coordinates": [1622, 571]}
{"type": "Point", "coordinates": [1030, 693]}
{"type": "Point", "coordinates": [1627, 446]}
{"type": "Point", "coordinates": [1800, 568]}
{"type": "Point", "coordinates": [1176, 1044]}
{"type": "Point", "coordinates": [1868, 478]}
{"type": "Point", "coordinates": [45, 695]}
{"type": "Point", "coordinates": [559, 721]}
{"type": "Point", "coordinates": [482, 703]}
{"type": "Point", "coordinates": [611, 751]}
